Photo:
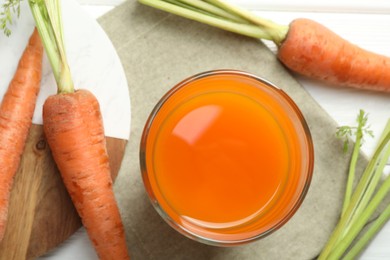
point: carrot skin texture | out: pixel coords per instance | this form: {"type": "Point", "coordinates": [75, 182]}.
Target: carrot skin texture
{"type": "Point", "coordinates": [74, 130]}
{"type": "Point", "coordinates": [313, 50]}
{"type": "Point", "coordinates": [16, 112]}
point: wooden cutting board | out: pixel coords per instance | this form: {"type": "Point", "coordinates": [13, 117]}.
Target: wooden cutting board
{"type": "Point", "coordinates": [41, 214]}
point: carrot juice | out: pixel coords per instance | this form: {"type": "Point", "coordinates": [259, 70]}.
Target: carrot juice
{"type": "Point", "coordinates": [226, 157]}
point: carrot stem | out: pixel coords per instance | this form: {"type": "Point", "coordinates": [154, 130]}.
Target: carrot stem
{"type": "Point", "coordinates": [361, 120]}
{"type": "Point", "coordinates": [225, 16]}
{"type": "Point", "coordinates": [369, 234]}
{"type": "Point", "coordinates": [375, 176]}
{"type": "Point", "coordinates": [351, 174]}
{"type": "Point", "coordinates": [278, 32]}
{"type": "Point", "coordinates": [48, 19]}
{"type": "Point", "coordinates": [250, 30]}
{"type": "Point", "coordinates": [187, 4]}
{"type": "Point", "coordinates": [362, 195]}
{"type": "Point", "coordinates": [361, 221]}
{"type": "Point", "coordinates": [212, 9]}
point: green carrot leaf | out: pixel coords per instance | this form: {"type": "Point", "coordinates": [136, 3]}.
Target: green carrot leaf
{"type": "Point", "coordinates": [344, 132]}
{"type": "Point", "coordinates": [7, 12]}
{"type": "Point", "coordinates": [364, 201]}
{"type": "Point", "coordinates": [359, 131]}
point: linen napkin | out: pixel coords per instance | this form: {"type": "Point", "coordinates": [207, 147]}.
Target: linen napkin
{"type": "Point", "coordinates": [158, 50]}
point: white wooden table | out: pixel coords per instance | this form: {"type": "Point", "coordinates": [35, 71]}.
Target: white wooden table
{"type": "Point", "coordinates": [363, 22]}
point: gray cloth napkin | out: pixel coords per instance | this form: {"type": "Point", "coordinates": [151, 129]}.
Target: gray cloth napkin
{"type": "Point", "coordinates": [157, 51]}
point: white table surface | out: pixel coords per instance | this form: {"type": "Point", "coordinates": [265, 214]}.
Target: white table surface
{"type": "Point", "coordinates": [365, 23]}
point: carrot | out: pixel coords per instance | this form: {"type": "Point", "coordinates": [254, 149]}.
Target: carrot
{"type": "Point", "coordinates": [305, 46]}
{"type": "Point", "coordinates": [16, 111]}
{"type": "Point", "coordinates": [74, 130]}
{"type": "Point", "coordinates": [73, 127]}
{"type": "Point", "coordinates": [315, 51]}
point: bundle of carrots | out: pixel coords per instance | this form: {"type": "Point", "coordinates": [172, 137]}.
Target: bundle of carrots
{"type": "Point", "coordinates": [16, 112]}
{"type": "Point", "coordinates": [305, 46]}
{"type": "Point", "coordinates": [73, 127]}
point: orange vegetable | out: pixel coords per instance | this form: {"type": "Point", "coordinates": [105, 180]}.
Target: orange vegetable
{"type": "Point", "coordinates": [315, 51]}
{"type": "Point", "coordinates": [73, 127]}
{"type": "Point", "coordinates": [305, 46]}
{"type": "Point", "coordinates": [74, 130]}
{"type": "Point", "coordinates": [16, 111]}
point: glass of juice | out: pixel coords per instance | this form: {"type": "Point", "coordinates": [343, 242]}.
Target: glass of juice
{"type": "Point", "coordinates": [226, 157]}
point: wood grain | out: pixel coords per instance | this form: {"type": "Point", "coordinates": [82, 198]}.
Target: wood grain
{"type": "Point", "coordinates": [41, 214]}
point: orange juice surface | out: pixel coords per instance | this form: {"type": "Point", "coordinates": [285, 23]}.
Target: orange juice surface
{"type": "Point", "coordinates": [223, 156]}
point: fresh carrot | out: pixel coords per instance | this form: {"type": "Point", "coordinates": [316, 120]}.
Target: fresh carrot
{"type": "Point", "coordinates": [315, 51]}
{"type": "Point", "coordinates": [16, 111]}
{"type": "Point", "coordinates": [73, 127]}
{"type": "Point", "coordinates": [305, 46]}
{"type": "Point", "coordinates": [74, 130]}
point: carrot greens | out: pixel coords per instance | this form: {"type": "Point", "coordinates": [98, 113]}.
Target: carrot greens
{"type": "Point", "coordinates": [363, 201]}
{"type": "Point", "coordinates": [8, 10]}
{"type": "Point", "coordinates": [346, 132]}
{"type": "Point", "coordinates": [225, 16]}
{"type": "Point", "coordinates": [364, 240]}
{"type": "Point", "coordinates": [48, 19]}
